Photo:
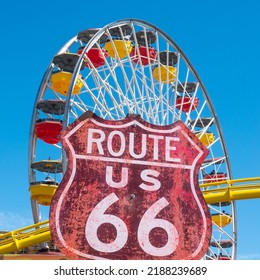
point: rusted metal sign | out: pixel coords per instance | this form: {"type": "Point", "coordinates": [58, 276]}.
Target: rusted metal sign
{"type": "Point", "coordinates": [130, 192]}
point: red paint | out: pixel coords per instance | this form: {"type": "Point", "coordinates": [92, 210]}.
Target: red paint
{"type": "Point", "coordinates": [215, 177]}
{"type": "Point", "coordinates": [186, 103]}
{"type": "Point", "coordinates": [144, 54]}
{"type": "Point", "coordinates": [96, 56]}
{"type": "Point", "coordinates": [120, 199]}
{"type": "Point", "coordinates": [48, 130]}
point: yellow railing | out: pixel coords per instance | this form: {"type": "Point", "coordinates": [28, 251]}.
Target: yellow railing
{"type": "Point", "coordinates": [24, 237]}
{"type": "Point", "coordinates": [216, 192]}
{"type": "Point", "coordinates": [229, 190]}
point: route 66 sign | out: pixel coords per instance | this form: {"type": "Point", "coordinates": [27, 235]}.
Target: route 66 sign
{"type": "Point", "coordinates": [130, 192]}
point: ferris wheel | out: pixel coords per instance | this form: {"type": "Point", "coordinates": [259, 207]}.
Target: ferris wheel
{"type": "Point", "coordinates": [127, 67]}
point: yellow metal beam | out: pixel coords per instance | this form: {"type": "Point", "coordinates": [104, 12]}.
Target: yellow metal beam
{"type": "Point", "coordinates": [232, 182]}
{"type": "Point", "coordinates": [24, 237]}
{"type": "Point", "coordinates": [230, 190]}
{"type": "Point", "coordinates": [231, 194]}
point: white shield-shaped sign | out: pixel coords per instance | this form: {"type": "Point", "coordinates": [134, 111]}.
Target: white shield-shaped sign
{"type": "Point", "coordinates": [130, 192]}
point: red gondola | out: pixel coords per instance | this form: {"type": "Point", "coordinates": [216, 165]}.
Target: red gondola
{"type": "Point", "coordinates": [147, 55]}
{"type": "Point", "coordinates": [96, 56]}
{"type": "Point", "coordinates": [48, 130]}
{"type": "Point", "coordinates": [186, 103]}
{"type": "Point", "coordinates": [215, 177]}
{"type": "Point", "coordinates": [224, 257]}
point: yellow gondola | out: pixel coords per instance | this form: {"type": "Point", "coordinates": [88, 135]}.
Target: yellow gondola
{"type": "Point", "coordinates": [221, 220]}
{"type": "Point", "coordinates": [43, 192]}
{"type": "Point", "coordinates": [118, 48]}
{"type": "Point", "coordinates": [165, 74]}
{"type": "Point", "coordinates": [206, 138]}
{"type": "Point", "coordinates": [60, 81]}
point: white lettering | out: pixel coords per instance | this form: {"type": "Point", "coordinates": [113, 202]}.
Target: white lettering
{"type": "Point", "coordinates": [116, 144]}
{"type": "Point", "coordinates": [156, 139]}
{"type": "Point", "coordinates": [145, 175]}
{"type": "Point", "coordinates": [169, 148]}
{"type": "Point", "coordinates": [111, 182]}
{"type": "Point", "coordinates": [110, 142]}
{"type": "Point", "coordinates": [98, 141]}
{"type": "Point", "coordinates": [132, 146]}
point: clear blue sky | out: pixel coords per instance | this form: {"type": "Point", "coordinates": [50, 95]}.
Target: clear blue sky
{"type": "Point", "coordinates": [220, 37]}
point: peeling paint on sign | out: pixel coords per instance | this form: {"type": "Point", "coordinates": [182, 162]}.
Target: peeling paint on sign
{"type": "Point", "coordinates": [130, 192]}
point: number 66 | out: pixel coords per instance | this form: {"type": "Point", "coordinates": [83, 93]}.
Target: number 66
{"type": "Point", "coordinates": [148, 222]}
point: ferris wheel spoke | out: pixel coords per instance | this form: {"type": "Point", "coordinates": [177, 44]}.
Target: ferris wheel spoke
{"type": "Point", "coordinates": [108, 90]}
{"type": "Point", "coordinates": [123, 101]}
{"type": "Point", "coordinates": [101, 105]}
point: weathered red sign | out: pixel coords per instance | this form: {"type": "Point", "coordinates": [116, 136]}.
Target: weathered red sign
{"type": "Point", "coordinates": [130, 192]}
